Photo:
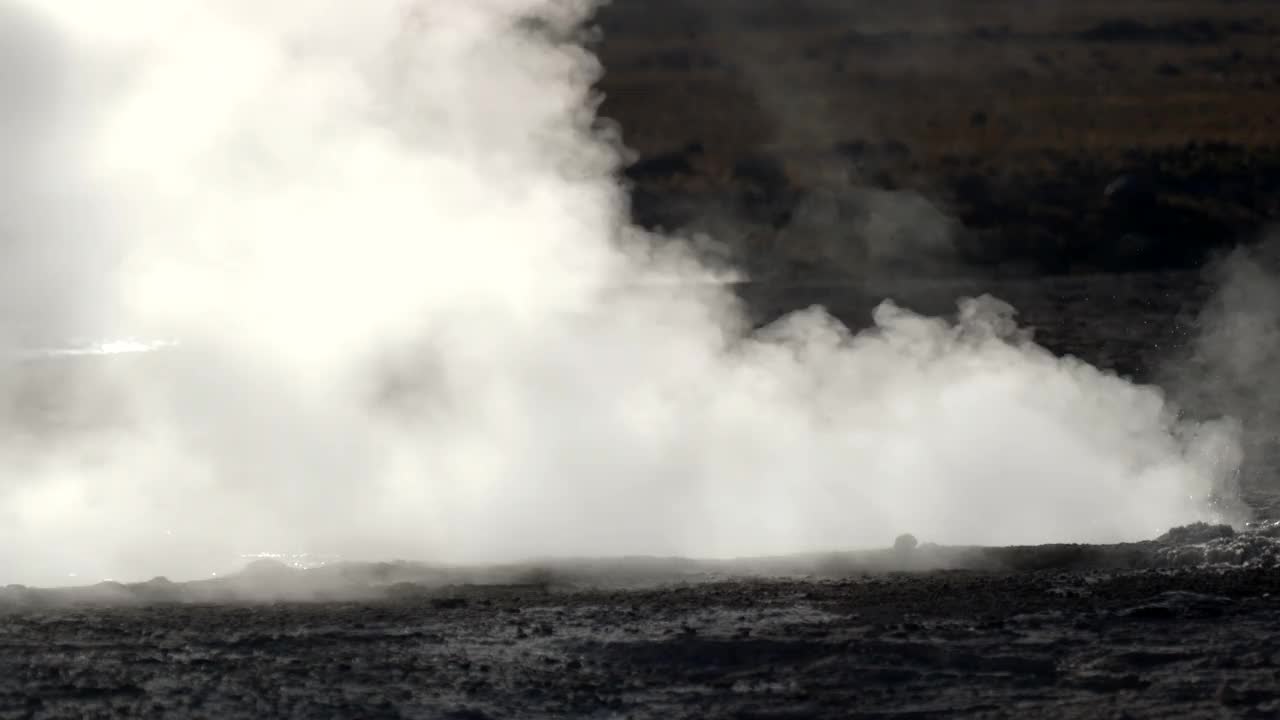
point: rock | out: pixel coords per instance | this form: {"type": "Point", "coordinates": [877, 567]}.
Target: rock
{"type": "Point", "coordinates": [1199, 532]}
{"type": "Point", "coordinates": [1264, 528]}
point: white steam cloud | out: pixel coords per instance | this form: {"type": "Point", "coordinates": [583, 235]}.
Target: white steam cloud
{"type": "Point", "coordinates": [414, 322]}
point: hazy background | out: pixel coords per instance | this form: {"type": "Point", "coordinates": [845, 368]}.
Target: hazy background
{"type": "Point", "coordinates": [416, 322]}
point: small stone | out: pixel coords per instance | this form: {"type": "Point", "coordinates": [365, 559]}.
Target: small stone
{"type": "Point", "coordinates": [1198, 532]}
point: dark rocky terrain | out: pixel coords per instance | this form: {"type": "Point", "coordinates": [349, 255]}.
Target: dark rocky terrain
{"type": "Point", "coordinates": [1182, 627]}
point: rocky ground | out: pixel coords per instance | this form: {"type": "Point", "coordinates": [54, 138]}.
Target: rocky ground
{"type": "Point", "coordinates": [1183, 627]}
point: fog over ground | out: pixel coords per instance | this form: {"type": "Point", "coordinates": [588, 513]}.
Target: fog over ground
{"type": "Point", "coordinates": [414, 322]}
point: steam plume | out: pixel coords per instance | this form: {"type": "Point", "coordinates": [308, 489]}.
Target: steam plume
{"type": "Point", "coordinates": [414, 322]}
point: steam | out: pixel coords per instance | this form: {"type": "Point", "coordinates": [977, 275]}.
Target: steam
{"type": "Point", "coordinates": [1226, 369]}
{"type": "Point", "coordinates": [841, 214]}
{"type": "Point", "coordinates": [414, 322]}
